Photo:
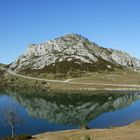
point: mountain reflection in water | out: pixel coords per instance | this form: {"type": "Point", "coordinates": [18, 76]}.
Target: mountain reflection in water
{"type": "Point", "coordinates": [73, 109]}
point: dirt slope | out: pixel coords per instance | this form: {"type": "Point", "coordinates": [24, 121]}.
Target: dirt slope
{"type": "Point", "coordinates": [130, 132]}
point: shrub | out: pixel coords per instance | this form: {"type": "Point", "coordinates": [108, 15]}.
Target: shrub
{"type": "Point", "coordinates": [20, 137]}
{"type": "Point", "coordinates": [24, 137]}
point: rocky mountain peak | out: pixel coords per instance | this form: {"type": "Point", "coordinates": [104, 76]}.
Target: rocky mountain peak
{"type": "Point", "coordinates": [69, 53]}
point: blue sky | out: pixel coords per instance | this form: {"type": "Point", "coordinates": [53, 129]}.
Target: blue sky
{"type": "Point", "coordinates": [109, 23]}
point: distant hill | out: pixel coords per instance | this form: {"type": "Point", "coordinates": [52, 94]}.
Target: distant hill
{"type": "Point", "coordinates": [2, 65]}
{"type": "Point", "coordinates": [71, 53]}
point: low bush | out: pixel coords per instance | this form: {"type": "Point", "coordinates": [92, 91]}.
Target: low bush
{"type": "Point", "coordinates": [19, 137]}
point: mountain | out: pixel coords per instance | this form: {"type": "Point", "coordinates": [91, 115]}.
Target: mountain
{"type": "Point", "coordinates": [2, 66]}
{"type": "Point", "coordinates": [2, 72]}
{"type": "Point", "coordinates": [71, 53]}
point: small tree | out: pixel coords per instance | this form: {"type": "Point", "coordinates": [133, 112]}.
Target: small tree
{"type": "Point", "coordinates": [12, 118]}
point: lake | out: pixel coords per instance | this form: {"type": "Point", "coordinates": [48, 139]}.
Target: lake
{"type": "Point", "coordinates": [54, 111]}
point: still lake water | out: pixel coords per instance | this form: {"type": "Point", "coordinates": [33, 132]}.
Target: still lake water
{"type": "Point", "coordinates": [44, 112]}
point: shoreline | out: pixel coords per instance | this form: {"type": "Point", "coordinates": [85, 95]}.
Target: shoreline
{"type": "Point", "coordinates": [70, 90]}
{"type": "Point", "coordinates": [96, 89]}
{"type": "Point", "coordinates": [128, 132]}
{"type": "Point", "coordinates": [65, 89]}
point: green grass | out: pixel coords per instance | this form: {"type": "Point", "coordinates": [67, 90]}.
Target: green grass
{"type": "Point", "coordinates": [96, 78]}
{"type": "Point", "coordinates": [115, 77]}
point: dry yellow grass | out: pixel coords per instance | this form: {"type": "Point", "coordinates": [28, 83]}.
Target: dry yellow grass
{"type": "Point", "coordinates": [115, 80]}
{"type": "Point", "coordinates": [130, 132]}
{"type": "Point", "coordinates": [115, 77]}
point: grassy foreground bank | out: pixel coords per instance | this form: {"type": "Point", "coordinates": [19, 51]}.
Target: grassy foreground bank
{"type": "Point", "coordinates": [130, 132]}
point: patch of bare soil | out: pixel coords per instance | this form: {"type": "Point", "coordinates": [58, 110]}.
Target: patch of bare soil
{"type": "Point", "coordinates": [130, 132]}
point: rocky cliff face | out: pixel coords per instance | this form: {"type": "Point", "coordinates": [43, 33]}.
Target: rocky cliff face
{"type": "Point", "coordinates": [69, 53]}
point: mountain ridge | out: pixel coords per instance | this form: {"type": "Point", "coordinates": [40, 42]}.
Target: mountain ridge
{"type": "Point", "coordinates": [72, 52]}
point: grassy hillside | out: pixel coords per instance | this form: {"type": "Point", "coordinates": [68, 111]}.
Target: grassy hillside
{"type": "Point", "coordinates": [116, 80]}
{"type": "Point", "coordinates": [2, 65]}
